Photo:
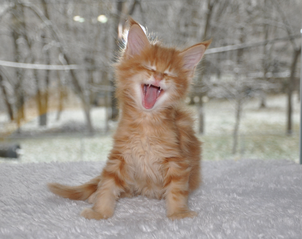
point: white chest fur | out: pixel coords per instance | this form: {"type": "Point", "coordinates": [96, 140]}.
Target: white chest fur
{"type": "Point", "coordinates": [144, 159]}
{"type": "Point", "coordinates": [145, 155]}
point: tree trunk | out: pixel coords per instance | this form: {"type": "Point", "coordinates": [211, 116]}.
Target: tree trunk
{"type": "Point", "coordinates": [201, 114]}
{"type": "Point", "coordinates": [119, 8]}
{"type": "Point", "coordinates": [107, 99]}
{"type": "Point", "coordinates": [43, 116]}
{"type": "Point", "coordinates": [87, 110]}
{"type": "Point", "coordinates": [9, 107]}
{"type": "Point", "coordinates": [107, 113]}
{"type": "Point", "coordinates": [237, 124]}
{"type": "Point", "coordinates": [61, 96]}
{"type": "Point", "coordinates": [18, 87]}
{"type": "Point", "coordinates": [290, 88]}
{"type": "Point", "coordinates": [19, 93]}
{"type": "Point", "coordinates": [39, 98]}
{"type": "Point", "coordinates": [44, 96]}
{"type": "Point", "coordinates": [265, 64]}
{"type": "Point", "coordinates": [262, 100]}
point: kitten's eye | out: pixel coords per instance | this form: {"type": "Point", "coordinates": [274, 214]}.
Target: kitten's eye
{"type": "Point", "coordinates": [169, 74]}
{"type": "Point", "coordinates": [150, 69]}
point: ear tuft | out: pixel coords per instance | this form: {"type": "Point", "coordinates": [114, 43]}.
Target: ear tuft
{"type": "Point", "coordinates": [137, 40]}
{"type": "Point", "coordinates": [132, 22]}
{"type": "Point", "coordinates": [193, 55]}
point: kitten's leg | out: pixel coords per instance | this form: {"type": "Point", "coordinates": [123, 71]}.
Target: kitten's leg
{"type": "Point", "coordinates": [91, 199]}
{"type": "Point", "coordinates": [189, 145]}
{"type": "Point", "coordinates": [177, 189]}
{"type": "Point", "coordinates": [104, 202]}
{"type": "Point", "coordinates": [109, 189]}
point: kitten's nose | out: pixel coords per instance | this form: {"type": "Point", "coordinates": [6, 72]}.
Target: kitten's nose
{"type": "Point", "coordinates": [158, 76]}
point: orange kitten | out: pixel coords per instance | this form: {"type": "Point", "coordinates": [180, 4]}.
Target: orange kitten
{"type": "Point", "coordinates": [155, 151]}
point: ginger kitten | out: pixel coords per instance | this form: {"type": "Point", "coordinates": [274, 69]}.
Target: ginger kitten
{"type": "Point", "coordinates": [155, 151]}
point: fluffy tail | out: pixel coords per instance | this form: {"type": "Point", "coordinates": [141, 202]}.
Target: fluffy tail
{"type": "Point", "coordinates": [81, 192]}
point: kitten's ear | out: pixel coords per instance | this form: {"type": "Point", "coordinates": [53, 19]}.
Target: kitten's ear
{"type": "Point", "coordinates": [192, 55]}
{"type": "Point", "coordinates": [137, 39]}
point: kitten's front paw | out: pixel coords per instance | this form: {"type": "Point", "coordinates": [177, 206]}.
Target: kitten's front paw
{"type": "Point", "coordinates": [182, 214]}
{"type": "Point", "coordinates": [88, 213]}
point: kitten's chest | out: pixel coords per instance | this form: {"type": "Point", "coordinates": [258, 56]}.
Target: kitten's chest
{"type": "Point", "coordinates": [145, 155]}
{"type": "Point", "coordinates": [143, 152]}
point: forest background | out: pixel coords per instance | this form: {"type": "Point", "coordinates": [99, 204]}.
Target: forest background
{"type": "Point", "coordinates": [57, 76]}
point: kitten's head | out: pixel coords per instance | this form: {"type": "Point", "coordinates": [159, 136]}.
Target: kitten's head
{"type": "Point", "coordinates": [151, 77]}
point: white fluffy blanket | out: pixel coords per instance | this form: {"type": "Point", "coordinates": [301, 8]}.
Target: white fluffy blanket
{"type": "Point", "coordinates": [243, 199]}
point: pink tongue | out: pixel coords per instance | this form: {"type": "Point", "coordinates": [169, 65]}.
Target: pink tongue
{"type": "Point", "coordinates": [150, 97]}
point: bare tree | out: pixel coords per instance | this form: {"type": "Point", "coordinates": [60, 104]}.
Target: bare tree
{"type": "Point", "coordinates": [6, 99]}
{"type": "Point", "coordinates": [94, 46]}
{"type": "Point", "coordinates": [295, 54]}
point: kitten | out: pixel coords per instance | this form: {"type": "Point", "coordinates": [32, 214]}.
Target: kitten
{"type": "Point", "coordinates": [155, 151]}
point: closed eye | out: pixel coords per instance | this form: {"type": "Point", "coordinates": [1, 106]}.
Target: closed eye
{"type": "Point", "coordinates": [166, 72]}
{"type": "Point", "coordinates": [170, 74]}
{"type": "Point", "coordinates": [150, 68]}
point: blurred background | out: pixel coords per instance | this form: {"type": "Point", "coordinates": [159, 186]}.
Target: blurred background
{"type": "Point", "coordinates": [57, 77]}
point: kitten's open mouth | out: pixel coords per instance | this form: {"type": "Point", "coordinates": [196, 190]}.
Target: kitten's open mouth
{"type": "Point", "coordinates": [150, 95]}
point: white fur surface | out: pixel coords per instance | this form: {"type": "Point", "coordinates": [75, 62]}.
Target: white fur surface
{"type": "Point", "coordinates": [238, 199]}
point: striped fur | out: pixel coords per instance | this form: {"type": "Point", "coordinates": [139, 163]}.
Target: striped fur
{"type": "Point", "coordinates": [155, 151]}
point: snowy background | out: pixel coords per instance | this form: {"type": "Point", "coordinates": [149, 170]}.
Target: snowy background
{"type": "Point", "coordinates": [261, 135]}
{"type": "Point", "coordinates": [57, 75]}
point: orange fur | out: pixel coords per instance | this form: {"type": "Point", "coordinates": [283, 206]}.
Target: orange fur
{"type": "Point", "coordinates": [155, 151]}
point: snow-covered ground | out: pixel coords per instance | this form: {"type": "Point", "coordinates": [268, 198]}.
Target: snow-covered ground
{"type": "Point", "coordinates": [262, 134]}
{"type": "Point", "coordinates": [220, 116]}
{"type": "Point", "coordinates": [64, 140]}
{"type": "Point", "coordinates": [71, 120]}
